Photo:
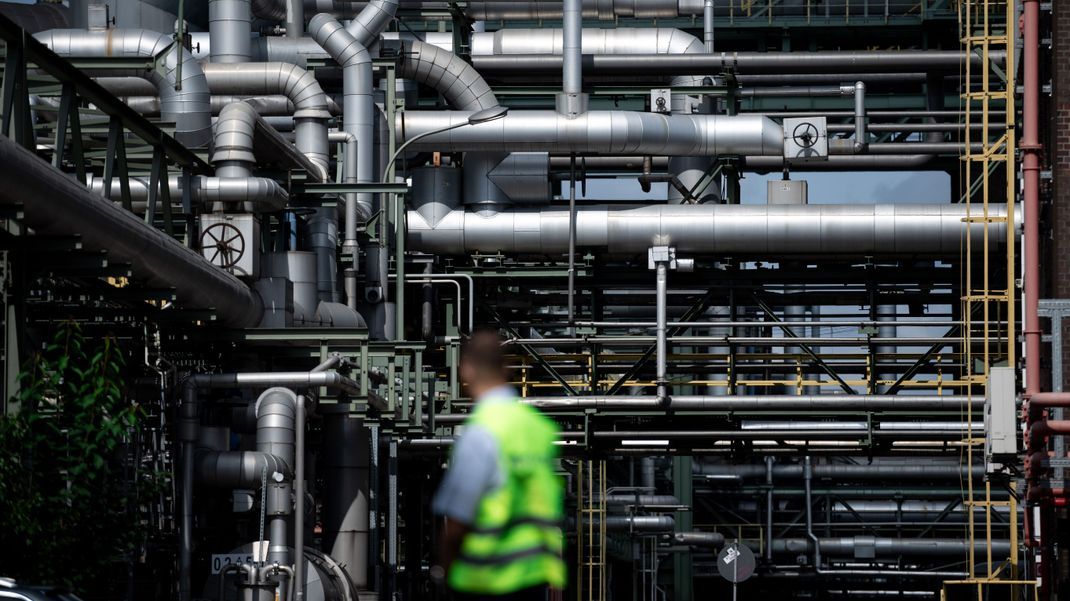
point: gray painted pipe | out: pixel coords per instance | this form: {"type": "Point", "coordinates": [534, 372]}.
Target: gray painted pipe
{"type": "Point", "coordinates": [642, 500]}
{"type": "Point", "coordinates": [599, 132]}
{"type": "Point", "coordinates": [55, 204]}
{"type": "Point", "coordinates": [276, 416]}
{"type": "Point", "coordinates": [186, 103]}
{"type": "Point", "coordinates": [358, 105]}
{"type": "Point", "coordinates": [815, 546]}
{"type": "Point", "coordinates": [345, 503]}
{"type": "Point", "coordinates": [889, 547]}
{"type": "Point", "coordinates": [229, 28]}
{"type": "Point", "coordinates": [372, 21]}
{"type": "Point", "coordinates": [891, 61]}
{"type": "Point", "coordinates": [298, 85]}
{"type": "Point", "coordinates": [645, 524]}
{"type": "Point", "coordinates": [751, 230]}
{"type": "Point", "coordinates": [238, 469]}
{"type": "Point", "coordinates": [713, 540]}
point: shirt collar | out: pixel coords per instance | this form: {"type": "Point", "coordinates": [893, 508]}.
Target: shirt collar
{"type": "Point", "coordinates": [498, 394]}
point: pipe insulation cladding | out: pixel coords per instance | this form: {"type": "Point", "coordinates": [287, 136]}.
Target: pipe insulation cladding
{"type": "Point", "coordinates": [738, 230]}
{"type": "Point", "coordinates": [598, 132]}
{"type": "Point", "coordinates": [55, 204]}
{"type": "Point", "coordinates": [186, 102]}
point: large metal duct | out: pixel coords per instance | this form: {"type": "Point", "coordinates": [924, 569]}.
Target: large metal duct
{"type": "Point", "coordinates": [462, 87]}
{"type": "Point", "coordinates": [186, 102]}
{"type": "Point", "coordinates": [55, 204]}
{"type": "Point", "coordinates": [600, 132]}
{"type": "Point", "coordinates": [740, 230]}
{"type": "Point", "coordinates": [310, 103]}
{"type": "Point", "coordinates": [229, 28]}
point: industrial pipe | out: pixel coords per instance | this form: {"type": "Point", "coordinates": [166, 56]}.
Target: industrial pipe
{"type": "Point", "coordinates": [891, 61]}
{"type": "Point", "coordinates": [184, 102]}
{"type": "Point", "coordinates": [604, 132]}
{"type": "Point", "coordinates": [55, 204]}
{"type": "Point", "coordinates": [743, 230]}
{"type": "Point", "coordinates": [229, 30]}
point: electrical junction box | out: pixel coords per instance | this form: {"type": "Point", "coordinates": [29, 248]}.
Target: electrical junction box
{"type": "Point", "coordinates": [1001, 419]}
{"type": "Point", "coordinates": [231, 242]}
{"type": "Point", "coordinates": [661, 100]}
{"type": "Point", "coordinates": [805, 139]}
{"type": "Point", "coordinates": [787, 192]}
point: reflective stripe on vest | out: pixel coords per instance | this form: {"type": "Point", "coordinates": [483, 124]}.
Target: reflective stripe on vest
{"type": "Point", "coordinates": [515, 541]}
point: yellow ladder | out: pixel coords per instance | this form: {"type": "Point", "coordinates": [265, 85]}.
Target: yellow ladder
{"type": "Point", "coordinates": [591, 530]}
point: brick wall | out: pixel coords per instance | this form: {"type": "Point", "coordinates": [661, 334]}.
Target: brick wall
{"type": "Point", "coordinates": [1056, 138]}
{"type": "Point", "coordinates": [1059, 150]}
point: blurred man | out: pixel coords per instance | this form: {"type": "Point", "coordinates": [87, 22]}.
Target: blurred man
{"type": "Point", "coordinates": [501, 500]}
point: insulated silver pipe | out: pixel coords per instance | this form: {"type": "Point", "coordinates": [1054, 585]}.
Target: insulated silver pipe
{"type": "Point", "coordinates": [358, 100]}
{"type": "Point", "coordinates": [914, 469]}
{"type": "Point", "coordinates": [571, 103]}
{"type": "Point", "coordinates": [259, 194]}
{"type": "Point", "coordinates": [743, 230]}
{"type": "Point", "coordinates": [185, 102]}
{"type": "Point", "coordinates": [599, 132]}
{"type": "Point", "coordinates": [707, 26]}
{"type": "Point", "coordinates": [229, 29]}
{"type": "Point", "coordinates": [891, 61]}
{"type": "Point", "coordinates": [372, 21]}
{"type": "Point", "coordinates": [298, 85]}
{"type": "Point", "coordinates": [662, 344]}
{"type": "Point", "coordinates": [461, 86]}
{"type": "Point", "coordinates": [55, 204]}
{"type": "Point", "coordinates": [276, 416]}
{"type": "Point", "coordinates": [238, 469]}
{"type": "Point", "coordinates": [815, 543]}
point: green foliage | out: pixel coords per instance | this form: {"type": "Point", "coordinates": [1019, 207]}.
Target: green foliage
{"type": "Point", "coordinates": [68, 500]}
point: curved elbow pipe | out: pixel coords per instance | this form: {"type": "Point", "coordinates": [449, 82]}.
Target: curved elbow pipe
{"type": "Point", "coordinates": [276, 419]}
{"type": "Point", "coordinates": [311, 108]}
{"type": "Point", "coordinates": [187, 102]}
{"type": "Point", "coordinates": [456, 80]}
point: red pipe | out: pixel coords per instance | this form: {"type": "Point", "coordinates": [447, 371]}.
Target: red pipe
{"type": "Point", "coordinates": [1049, 399]}
{"type": "Point", "coordinates": [1031, 149]}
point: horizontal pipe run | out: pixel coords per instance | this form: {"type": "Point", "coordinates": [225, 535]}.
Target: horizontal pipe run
{"type": "Point", "coordinates": [632, 341]}
{"type": "Point", "coordinates": [914, 470]}
{"type": "Point", "coordinates": [331, 380]}
{"type": "Point", "coordinates": [741, 62]}
{"type": "Point", "coordinates": [605, 132]}
{"type": "Point", "coordinates": [238, 469]}
{"type": "Point", "coordinates": [757, 403]}
{"type": "Point", "coordinates": [889, 547]}
{"type": "Point", "coordinates": [737, 230]}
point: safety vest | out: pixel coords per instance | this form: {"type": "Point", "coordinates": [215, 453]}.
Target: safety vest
{"type": "Point", "coordinates": [515, 541]}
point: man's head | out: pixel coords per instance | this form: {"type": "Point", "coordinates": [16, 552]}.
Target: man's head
{"type": "Point", "coordinates": [483, 362]}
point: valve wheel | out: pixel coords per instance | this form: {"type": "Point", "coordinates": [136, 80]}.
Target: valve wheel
{"type": "Point", "coordinates": [223, 244]}
{"type": "Point", "coordinates": [806, 135]}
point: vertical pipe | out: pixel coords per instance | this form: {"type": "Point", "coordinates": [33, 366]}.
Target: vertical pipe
{"type": "Point", "coordinates": [886, 313]}
{"type": "Point", "coordinates": [1031, 149]}
{"type": "Point", "coordinates": [769, 509]}
{"type": "Point", "coordinates": [647, 471]}
{"type": "Point", "coordinates": [808, 476]}
{"type": "Point", "coordinates": [299, 500]}
{"type": "Point", "coordinates": [295, 19]}
{"type": "Point", "coordinates": [662, 342]}
{"type": "Point", "coordinates": [572, 47]}
{"type": "Point", "coordinates": [860, 116]}
{"type": "Point", "coordinates": [188, 437]}
{"type": "Point", "coordinates": [707, 26]}
{"type": "Point", "coordinates": [572, 249]}
{"type": "Point", "coordinates": [229, 31]}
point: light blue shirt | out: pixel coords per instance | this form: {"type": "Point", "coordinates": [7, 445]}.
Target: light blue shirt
{"type": "Point", "coordinates": [475, 470]}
